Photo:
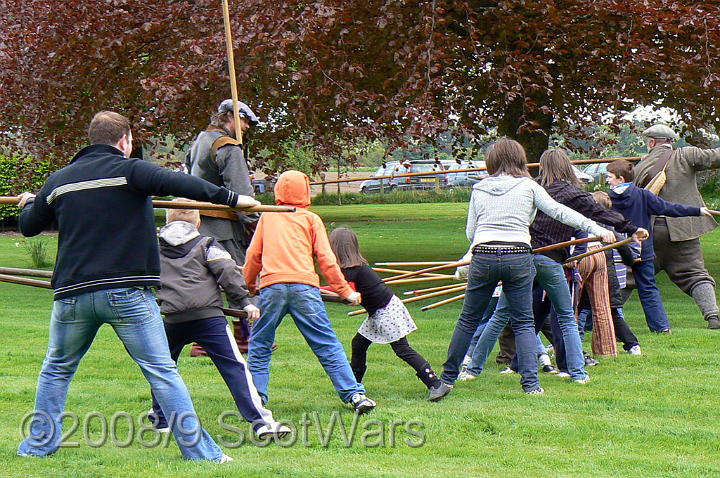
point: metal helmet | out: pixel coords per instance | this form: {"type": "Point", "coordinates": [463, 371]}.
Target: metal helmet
{"type": "Point", "coordinates": [243, 110]}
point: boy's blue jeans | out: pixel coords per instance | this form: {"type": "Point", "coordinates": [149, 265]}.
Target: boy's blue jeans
{"type": "Point", "coordinates": [305, 306]}
{"type": "Point", "coordinates": [655, 315]}
{"type": "Point", "coordinates": [135, 317]}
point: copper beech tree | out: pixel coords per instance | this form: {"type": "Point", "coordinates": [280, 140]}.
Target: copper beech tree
{"type": "Point", "coordinates": [330, 73]}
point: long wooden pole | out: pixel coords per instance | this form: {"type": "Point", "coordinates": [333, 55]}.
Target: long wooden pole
{"type": "Point", "coordinates": [231, 67]}
{"type": "Point", "coordinates": [161, 204]}
{"type": "Point", "coordinates": [15, 271]}
{"type": "Point", "coordinates": [420, 297]}
{"type": "Point", "coordinates": [412, 264]}
{"type": "Point", "coordinates": [443, 302]}
{"type": "Point", "coordinates": [25, 281]}
{"type": "Point", "coordinates": [399, 271]}
{"type": "Point", "coordinates": [435, 294]}
{"type": "Point", "coordinates": [432, 289]}
{"type": "Point", "coordinates": [566, 244]}
{"type": "Point", "coordinates": [326, 296]}
{"type": "Point", "coordinates": [599, 249]}
{"type": "Point", "coordinates": [425, 271]}
{"type": "Point", "coordinates": [418, 279]}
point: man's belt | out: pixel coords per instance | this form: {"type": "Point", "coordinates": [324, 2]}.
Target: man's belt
{"type": "Point", "coordinates": [231, 215]}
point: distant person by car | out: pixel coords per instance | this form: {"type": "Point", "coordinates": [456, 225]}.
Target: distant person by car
{"type": "Point", "coordinates": [374, 185]}
{"type": "Point", "coordinates": [464, 179]}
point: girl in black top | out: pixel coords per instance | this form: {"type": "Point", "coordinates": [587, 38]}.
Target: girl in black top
{"type": "Point", "coordinates": [388, 320]}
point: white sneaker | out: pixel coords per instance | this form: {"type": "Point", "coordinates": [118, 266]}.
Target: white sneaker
{"type": "Point", "coordinates": [226, 459]}
{"type": "Point", "coordinates": [582, 381]}
{"type": "Point", "coordinates": [362, 404]}
{"type": "Point", "coordinates": [466, 361]}
{"type": "Point", "coordinates": [275, 429]}
{"type": "Point", "coordinates": [507, 370]}
{"type": "Point", "coordinates": [544, 359]}
{"type": "Point", "coordinates": [465, 375]}
{"type": "Point", "coordinates": [563, 375]}
{"type": "Point", "coordinates": [635, 350]}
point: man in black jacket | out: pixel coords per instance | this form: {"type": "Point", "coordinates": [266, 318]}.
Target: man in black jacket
{"type": "Point", "coordinates": [107, 262]}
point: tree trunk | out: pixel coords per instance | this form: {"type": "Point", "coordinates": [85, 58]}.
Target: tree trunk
{"type": "Point", "coordinates": [535, 139]}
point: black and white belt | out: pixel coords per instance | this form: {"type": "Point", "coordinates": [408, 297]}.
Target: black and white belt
{"type": "Point", "coordinates": [499, 250]}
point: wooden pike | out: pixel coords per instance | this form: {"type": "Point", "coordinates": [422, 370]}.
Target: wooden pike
{"type": "Point", "coordinates": [599, 249]}
{"type": "Point", "coordinates": [412, 264]}
{"type": "Point", "coordinates": [25, 281]}
{"type": "Point", "coordinates": [161, 204]}
{"type": "Point", "coordinates": [435, 294]}
{"type": "Point", "coordinates": [419, 279]}
{"type": "Point", "coordinates": [399, 271]}
{"type": "Point", "coordinates": [420, 297]}
{"type": "Point", "coordinates": [231, 69]}
{"type": "Point", "coordinates": [14, 271]}
{"type": "Point", "coordinates": [443, 302]}
{"type": "Point", "coordinates": [448, 265]}
{"type": "Point", "coordinates": [566, 244]}
{"type": "Point", "coordinates": [714, 212]}
{"type": "Point", "coordinates": [432, 289]}
{"type": "Point", "coordinates": [6, 276]}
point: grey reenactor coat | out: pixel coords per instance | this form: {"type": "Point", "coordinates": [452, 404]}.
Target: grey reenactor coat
{"type": "Point", "coordinates": [228, 168]}
{"type": "Point", "coordinates": [681, 186]}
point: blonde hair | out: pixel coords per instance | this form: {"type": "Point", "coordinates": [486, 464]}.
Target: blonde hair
{"type": "Point", "coordinates": [602, 198]}
{"type": "Point", "coordinates": [188, 215]}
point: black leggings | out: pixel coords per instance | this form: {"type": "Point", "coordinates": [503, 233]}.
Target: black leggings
{"type": "Point", "coordinates": [401, 347]}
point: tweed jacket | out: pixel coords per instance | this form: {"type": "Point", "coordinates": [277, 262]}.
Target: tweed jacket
{"type": "Point", "coordinates": [681, 186]}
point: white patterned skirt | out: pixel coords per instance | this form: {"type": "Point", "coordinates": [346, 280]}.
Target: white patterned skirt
{"type": "Point", "coordinates": [388, 324]}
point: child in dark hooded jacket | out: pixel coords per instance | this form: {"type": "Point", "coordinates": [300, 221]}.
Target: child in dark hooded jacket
{"type": "Point", "coordinates": [192, 269]}
{"type": "Point", "coordinates": [639, 206]}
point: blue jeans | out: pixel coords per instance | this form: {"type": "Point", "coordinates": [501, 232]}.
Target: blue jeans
{"type": "Point", "coordinates": [550, 275]}
{"type": "Point", "coordinates": [655, 315]}
{"type": "Point", "coordinates": [483, 322]}
{"type": "Point", "coordinates": [516, 271]}
{"type": "Point", "coordinates": [303, 303]}
{"type": "Point", "coordinates": [135, 317]}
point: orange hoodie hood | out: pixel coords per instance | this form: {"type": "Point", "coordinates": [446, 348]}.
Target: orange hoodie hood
{"type": "Point", "coordinates": [293, 189]}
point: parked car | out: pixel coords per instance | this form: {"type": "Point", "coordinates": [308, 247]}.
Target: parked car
{"type": "Point", "coordinates": [464, 179]}
{"type": "Point", "coordinates": [419, 182]}
{"type": "Point", "coordinates": [373, 185]}
{"type": "Point", "coordinates": [581, 175]}
{"type": "Point", "coordinates": [261, 185]}
{"type": "Point", "coordinates": [598, 171]}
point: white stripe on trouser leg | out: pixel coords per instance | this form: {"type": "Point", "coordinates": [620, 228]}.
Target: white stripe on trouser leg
{"type": "Point", "coordinates": [254, 395]}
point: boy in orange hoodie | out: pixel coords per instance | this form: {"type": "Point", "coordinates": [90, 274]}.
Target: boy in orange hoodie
{"type": "Point", "coordinates": [281, 252]}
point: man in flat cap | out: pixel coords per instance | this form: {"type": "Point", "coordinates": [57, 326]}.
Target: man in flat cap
{"type": "Point", "coordinates": [677, 239]}
{"type": "Point", "coordinates": [217, 156]}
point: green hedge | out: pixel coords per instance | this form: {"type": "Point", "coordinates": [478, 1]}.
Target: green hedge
{"type": "Point", "coordinates": [17, 174]}
{"type": "Point", "coordinates": [395, 197]}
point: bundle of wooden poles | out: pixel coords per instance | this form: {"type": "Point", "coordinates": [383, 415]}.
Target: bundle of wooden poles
{"type": "Point", "coordinates": [429, 273]}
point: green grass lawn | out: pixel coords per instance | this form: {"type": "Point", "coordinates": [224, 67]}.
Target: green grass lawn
{"type": "Point", "coordinates": [650, 416]}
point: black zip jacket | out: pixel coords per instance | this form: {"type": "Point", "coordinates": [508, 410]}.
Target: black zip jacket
{"type": "Point", "coordinates": [545, 230]}
{"type": "Point", "coordinates": [103, 206]}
